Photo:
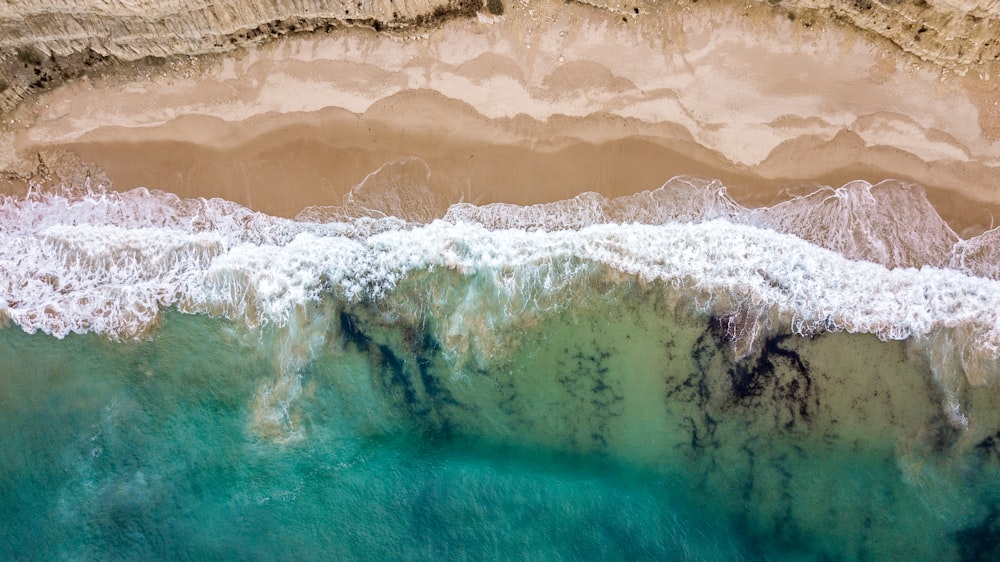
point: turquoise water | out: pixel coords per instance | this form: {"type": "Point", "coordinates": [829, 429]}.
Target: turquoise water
{"type": "Point", "coordinates": [196, 381]}
{"type": "Point", "coordinates": [141, 451]}
{"type": "Point", "coordinates": [147, 451]}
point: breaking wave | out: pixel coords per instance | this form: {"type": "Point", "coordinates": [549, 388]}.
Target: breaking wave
{"type": "Point", "coordinates": [862, 258]}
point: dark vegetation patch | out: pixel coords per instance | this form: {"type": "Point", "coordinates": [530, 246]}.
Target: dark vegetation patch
{"type": "Point", "coordinates": [760, 378]}
{"type": "Point", "coordinates": [940, 433]}
{"type": "Point", "coordinates": [989, 448]}
{"type": "Point", "coordinates": [776, 382]}
{"type": "Point", "coordinates": [696, 389]}
{"type": "Point", "coordinates": [583, 375]}
{"type": "Point", "coordinates": [409, 371]}
{"type": "Point", "coordinates": [495, 7]}
{"type": "Point", "coordinates": [350, 331]}
{"type": "Point", "coordinates": [980, 542]}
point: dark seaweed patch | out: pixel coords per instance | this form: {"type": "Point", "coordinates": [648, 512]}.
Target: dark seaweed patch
{"type": "Point", "coordinates": [407, 371]}
{"type": "Point", "coordinates": [351, 332]}
{"type": "Point", "coordinates": [748, 380]}
{"type": "Point", "coordinates": [583, 375]}
{"type": "Point", "coordinates": [941, 433]}
{"type": "Point", "coordinates": [398, 374]}
{"type": "Point", "coordinates": [778, 375]}
{"type": "Point", "coordinates": [695, 389]}
{"type": "Point", "coordinates": [980, 542]}
{"type": "Point", "coordinates": [695, 386]}
{"type": "Point", "coordinates": [777, 380]}
{"type": "Point", "coordinates": [427, 350]}
{"type": "Point", "coordinates": [989, 448]}
{"type": "Point", "coordinates": [703, 433]}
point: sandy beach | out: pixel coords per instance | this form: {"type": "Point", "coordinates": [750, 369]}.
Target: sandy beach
{"type": "Point", "coordinates": [540, 104]}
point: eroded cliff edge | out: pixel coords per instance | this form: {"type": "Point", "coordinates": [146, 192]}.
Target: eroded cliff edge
{"type": "Point", "coordinates": [43, 43]}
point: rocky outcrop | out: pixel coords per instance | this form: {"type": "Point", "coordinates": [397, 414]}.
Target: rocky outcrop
{"type": "Point", "coordinates": [44, 42]}
{"type": "Point", "coordinates": [139, 28]}
{"type": "Point", "coordinates": [952, 33]}
{"type": "Point", "coordinates": [955, 34]}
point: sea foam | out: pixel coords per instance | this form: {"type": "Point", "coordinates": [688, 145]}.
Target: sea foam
{"type": "Point", "coordinates": [850, 259]}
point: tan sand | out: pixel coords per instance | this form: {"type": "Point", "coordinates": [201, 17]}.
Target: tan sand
{"type": "Point", "coordinates": [547, 102]}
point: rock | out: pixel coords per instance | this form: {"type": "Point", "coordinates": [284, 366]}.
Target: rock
{"type": "Point", "coordinates": [43, 43]}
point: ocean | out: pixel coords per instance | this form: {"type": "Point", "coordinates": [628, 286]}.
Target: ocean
{"type": "Point", "coordinates": [668, 375]}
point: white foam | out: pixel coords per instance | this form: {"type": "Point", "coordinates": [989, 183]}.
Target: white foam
{"type": "Point", "coordinates": [682, 199]}
{"type": "Point", "coordinates": [109, 263]}
{"type": "Point", "coordinates": [979, 256]}
{"type": "Point", "coordinates": [400, 188]}
{"type": "Point", "coordinates": [890, 223]}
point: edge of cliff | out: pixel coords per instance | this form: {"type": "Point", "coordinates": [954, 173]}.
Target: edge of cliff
{"type": "Point", "coordinates": [45, 43]}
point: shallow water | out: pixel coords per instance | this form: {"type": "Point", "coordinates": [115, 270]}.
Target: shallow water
{"type": "Point", "coordinates": [668, 376]}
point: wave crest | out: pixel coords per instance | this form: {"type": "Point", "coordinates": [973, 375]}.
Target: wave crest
{"type": "Point", "coordinates": [107, 262]}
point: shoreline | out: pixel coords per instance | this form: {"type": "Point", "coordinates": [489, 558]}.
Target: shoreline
{"type": "Point", "coordinates": [529, 108]}
{"type": "Point", "coordinates": [297, 165]}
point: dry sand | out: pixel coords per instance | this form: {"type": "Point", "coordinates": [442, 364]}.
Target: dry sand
{"type": "Point", "coordinates": [546, 102]}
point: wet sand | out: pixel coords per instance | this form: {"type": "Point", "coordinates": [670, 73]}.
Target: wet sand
{"type": "Point", "coordinates": [549, 101]}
